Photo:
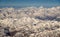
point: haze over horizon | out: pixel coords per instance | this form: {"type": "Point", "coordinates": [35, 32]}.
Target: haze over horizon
{"type": "Point", "coordinates": [28, 3]}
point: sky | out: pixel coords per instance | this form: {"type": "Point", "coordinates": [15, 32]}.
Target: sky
{"type": "Point", "coordinates": [29, 3]}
